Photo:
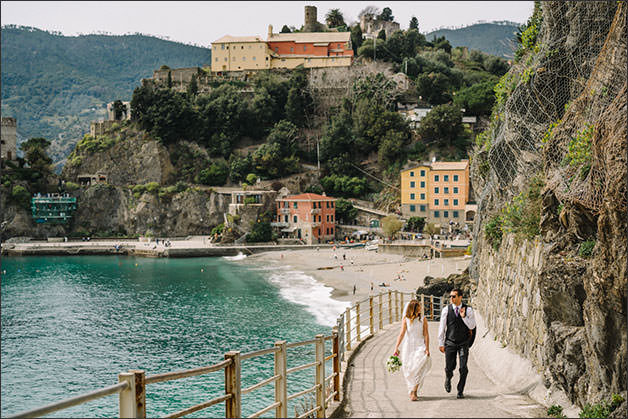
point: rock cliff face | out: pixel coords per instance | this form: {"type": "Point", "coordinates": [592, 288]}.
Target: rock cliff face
{"type": "Point", "coordinates": [561, 117]}
{"type": "Point", "coordinates": [133, 159]}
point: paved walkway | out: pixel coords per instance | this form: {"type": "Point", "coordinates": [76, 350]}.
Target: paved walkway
{"type": "Point", "coordinates": [373, 392]}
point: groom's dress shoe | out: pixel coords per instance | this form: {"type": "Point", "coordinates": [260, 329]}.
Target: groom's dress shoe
{"type": "Point", "coordinates": [447, 385]}
{"type": "Point", "coordinates": [460, 396]}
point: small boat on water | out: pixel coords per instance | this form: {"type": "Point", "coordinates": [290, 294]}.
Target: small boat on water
{"type": "Point", "coordinates": [372, 245]}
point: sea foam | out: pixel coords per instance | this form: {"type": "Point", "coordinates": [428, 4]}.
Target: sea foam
{"type": "Point", "coordinates": [239, 256]}
{"type": "Point", "coordinates": [302, 289]}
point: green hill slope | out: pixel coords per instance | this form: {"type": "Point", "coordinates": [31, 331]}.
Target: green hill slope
{"type": "Point", "coordinates": [493, 38]}
{"type": "Point", "coordinates": [55, 85]}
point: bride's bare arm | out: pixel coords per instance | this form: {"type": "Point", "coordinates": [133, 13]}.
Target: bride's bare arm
{"type": "Point", "coordinates": [401, 335]}
{"type": "Point", "coordinates": [426, 336]}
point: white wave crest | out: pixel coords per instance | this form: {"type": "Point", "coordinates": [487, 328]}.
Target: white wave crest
{"type": "Point", "coordinates": [239, 256]}
{"type": "Point", "coordinates": [302, 289]}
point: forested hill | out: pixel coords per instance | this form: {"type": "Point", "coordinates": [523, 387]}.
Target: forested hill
{"type": "Point", "coordinates": [55, 85]}
{"type": "Point", "coordinates": [495, 38]}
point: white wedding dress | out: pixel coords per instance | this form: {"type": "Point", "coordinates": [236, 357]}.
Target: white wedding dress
{"type": "Point", "coordinates": [415, 364]}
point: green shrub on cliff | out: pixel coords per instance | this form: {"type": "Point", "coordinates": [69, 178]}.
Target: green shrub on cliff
{"type": "Point", "coordinates": [602, 409]}
{"type": "Point", "coordinates": [493, 231]}
{"type": "Point", "coordinates": [21, 196]}
{"type": "Point", "coordinates": [585, 249]}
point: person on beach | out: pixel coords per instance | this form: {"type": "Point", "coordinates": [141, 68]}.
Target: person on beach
{"type": "Point", "coordinates": [354, 288]}
{"type": "Point", "coordinates": [414, 340]}
{"type": "Point", "coordinates": [454, 336]}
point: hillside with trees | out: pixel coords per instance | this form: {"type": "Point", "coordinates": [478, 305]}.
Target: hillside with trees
{"type": "Point", "coordinates": [55, 85]}
{"type": "Point", "coordinates": [495, 38]}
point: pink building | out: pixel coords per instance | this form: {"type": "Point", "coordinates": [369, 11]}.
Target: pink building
{"type": "Point", "coordinates": [309, 217]}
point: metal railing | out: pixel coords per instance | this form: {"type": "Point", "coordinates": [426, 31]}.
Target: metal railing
{"type": "Point", "coordinates": [363, 319]}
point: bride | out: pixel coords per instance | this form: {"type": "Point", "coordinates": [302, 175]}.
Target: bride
{"type": "Point", "coordinates": [415, 347]}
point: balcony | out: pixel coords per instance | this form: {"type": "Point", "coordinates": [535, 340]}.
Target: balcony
{"type": "Point", "coordinates": [279, 224]}
{"type": "Point", "coordinates": [284, 210]}
{"type": "Point", "coordinates": [315, 211]}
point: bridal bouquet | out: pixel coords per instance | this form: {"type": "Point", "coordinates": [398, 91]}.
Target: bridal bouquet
{"type": "Point", "coordinates": [393, 364]}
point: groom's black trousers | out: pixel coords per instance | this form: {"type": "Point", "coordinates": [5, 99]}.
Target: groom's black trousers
{"type": "Point", "coordinates": [451, 352]}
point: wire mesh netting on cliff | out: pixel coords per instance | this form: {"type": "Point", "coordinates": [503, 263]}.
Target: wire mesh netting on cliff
{"type": "Point", "coordinates": [554, 106]}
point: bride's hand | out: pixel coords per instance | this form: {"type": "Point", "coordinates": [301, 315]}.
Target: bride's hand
{"type": "Point", "coordinates": [427, 351]}
{"type": "Point", "coordinates": [396, 353]}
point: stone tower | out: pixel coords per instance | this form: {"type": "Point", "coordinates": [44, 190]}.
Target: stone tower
{"type": "Point", "coordinates": [8, 139]}
{"type": "Point", "coordinates": [310, 23]}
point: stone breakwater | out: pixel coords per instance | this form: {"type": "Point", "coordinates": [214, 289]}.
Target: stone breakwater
{"type": "Point", "coordinates": [135, 248]}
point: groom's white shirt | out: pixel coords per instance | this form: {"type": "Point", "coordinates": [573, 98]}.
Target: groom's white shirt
{"type": "Point", "coordinates": [468, 319]}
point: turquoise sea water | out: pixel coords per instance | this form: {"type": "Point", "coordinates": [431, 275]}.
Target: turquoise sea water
{"type": "Point", "coordinates": [71, 324]}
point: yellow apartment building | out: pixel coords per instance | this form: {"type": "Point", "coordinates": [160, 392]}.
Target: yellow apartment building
{"type": "Point", "coordinates": [437, 191]}
{"type": "Point", "coordinates": [240, 53]}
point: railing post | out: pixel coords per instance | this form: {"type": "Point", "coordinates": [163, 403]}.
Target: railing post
{"type": "Point", "coordinates": [442, 304]}
{"type": "Point", "coordinates": [422, 305]}
{"type": "Point", "coordinates": [390, 320]}
{"type": "Point", "coordinates": [357, 322]}
{"type": "Point", "coordinates": [371, 315]}
{"type": "Point", "coordinates": [381, 312]}
{"type": "Point", "coordinates": [127, 396]}
{"type": "Point", "coordinates": [348, 328]}
{"type": "Point", "coordinates": [281, 387]}
{"type": "Point", "coordinates": [401, 306]}
{"type": "Point", "coordinates": [396, 305]}
{"type": "Point", "coordinates": [335, 362]}
{"type": "Point", "coordinates": [233, 406]}
{"type": "Point", "coordinates": [320, 376]}
{"type": "Point", "coordinates": [140, 393]}
{"type": "Point", "coordinates": [431, 307]}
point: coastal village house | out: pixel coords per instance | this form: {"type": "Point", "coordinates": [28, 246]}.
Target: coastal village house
{"type": "Point", "coordinates": [437, 191]}
{"type": "Point", "coordinates": [309, 217]}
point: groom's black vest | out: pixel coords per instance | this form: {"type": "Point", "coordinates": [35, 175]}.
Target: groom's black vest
{"type": "Point", "coordinates": [457, 331]}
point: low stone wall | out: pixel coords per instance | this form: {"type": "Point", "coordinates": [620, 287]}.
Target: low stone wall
{"type": "Point", "coordinates": [409, 250]}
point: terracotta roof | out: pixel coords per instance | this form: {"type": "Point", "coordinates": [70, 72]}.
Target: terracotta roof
{"type": "Point", "coordinates": [450, 165]}
{"type": "Point", "coordinates": [229, 38]}
{"type": "Point", "coordinates": [442, 165]}
{"type": "Point", "coordinates": [301, 37]}
{"type": "Point", "coordinates": [307, 197]}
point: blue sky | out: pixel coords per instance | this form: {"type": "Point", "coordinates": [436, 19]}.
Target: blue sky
{"type": "Point", "coordinates": [201, 23]}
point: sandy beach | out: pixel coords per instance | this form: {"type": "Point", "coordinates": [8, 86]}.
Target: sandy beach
{"type": "Point", "coordinates": [342, 269]}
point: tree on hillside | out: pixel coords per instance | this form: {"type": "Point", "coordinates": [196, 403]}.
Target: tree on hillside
{"type": "Point", "coordinates": [334, 18]}
{"type": "Point", "coordinates": [345, 211]}
{"type": "Point", "coordinates": [299, 102]}
{"type": "Point", "coordinates": [286, 134]}
{"type": "Point", "coordinates": [285, 29]}
{"type": "Point", "coordinates": [443, 124]}
{"type": "Point", "coordinates": [414, 23]}
{"type": "Point", "coordinates": [37, 159]}
{"type": "Point", "coordinates": [369, 10]}
{"type": "Point", "coordinates": [192, 89]}
{"type": "Point", "coordinates": [356, 38]}
{"type": "Point", "coordinates": [477, 99]}
{"type": "Point", "coordinates": [386, 15]}
{"type": "Point", "coordinates": [391, 225]}
{"type": "Point", "coordinates": [119, 110]}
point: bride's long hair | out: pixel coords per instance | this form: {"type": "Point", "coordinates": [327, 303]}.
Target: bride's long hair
{"type": "Point", "coordinates": [414, 310]}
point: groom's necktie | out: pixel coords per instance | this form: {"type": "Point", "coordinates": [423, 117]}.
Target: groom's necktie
{"type": "Point", "coordinates": [457, 312]}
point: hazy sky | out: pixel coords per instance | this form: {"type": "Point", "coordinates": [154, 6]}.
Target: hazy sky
{"type": "Point", "coordinates": [203, 22]}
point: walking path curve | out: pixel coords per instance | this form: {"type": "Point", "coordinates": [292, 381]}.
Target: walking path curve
{"type": "Point", "coordinates": [371, 391]}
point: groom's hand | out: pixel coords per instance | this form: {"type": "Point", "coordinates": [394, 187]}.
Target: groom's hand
{"type": "Point", "coordinates": [442, 349]}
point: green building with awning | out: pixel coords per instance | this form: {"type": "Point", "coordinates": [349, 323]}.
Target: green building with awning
{"type": "Point", "coordinates": [53, 208]}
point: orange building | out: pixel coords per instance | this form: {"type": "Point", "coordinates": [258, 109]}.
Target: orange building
{"type": "Point", "coordinates": [309, 217]}
{"type": "Point", "coordinates": [437, 191]}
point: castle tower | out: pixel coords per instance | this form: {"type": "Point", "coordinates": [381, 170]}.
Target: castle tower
{"type": "Point", "coordinates": [8, 139]}
{"type": "Point", "coordinates": [310, 19]}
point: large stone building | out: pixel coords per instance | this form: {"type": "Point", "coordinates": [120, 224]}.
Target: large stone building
{"type": "Point", "coordinates": [370, 26]}
{"type": "Point", "coordinates": [283, 50]}
{"type": "Point", "coordinates": [437, 191]}
{"type": "Point", "coordinates": [8, 139]}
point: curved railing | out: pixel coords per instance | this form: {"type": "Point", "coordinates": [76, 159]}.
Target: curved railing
{"type": "Point", "coordinates": [363, 319]}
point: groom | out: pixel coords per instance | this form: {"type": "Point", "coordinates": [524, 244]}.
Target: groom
{"type": "Point", "coordinates": [456, 321]}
